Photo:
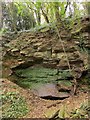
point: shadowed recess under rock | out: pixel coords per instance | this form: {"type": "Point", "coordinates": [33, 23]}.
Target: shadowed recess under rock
{"type": "Point", "coordinates": [43, 82]}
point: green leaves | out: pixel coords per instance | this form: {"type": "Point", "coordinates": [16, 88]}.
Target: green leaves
{"type": "Point", "coordinates": [82, 111]}
{"type": "Point", "coordinates": [25, 15]}
{"type": "Point", "coordinates": [13, 106]}
{"type": "Point", "coordinates": [63, 112]}
{"type": "Point", "coordinates": [19, 16]}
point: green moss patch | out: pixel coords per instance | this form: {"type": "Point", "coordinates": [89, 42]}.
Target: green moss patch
{"type": "Point", "coordinates": [31, 77]}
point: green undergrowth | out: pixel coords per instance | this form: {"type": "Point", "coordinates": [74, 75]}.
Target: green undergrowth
{"type": "Point", "coordinates": [77, 113]}
{"type": "Point", "coordinates": [31, 77]}
{"type": "Point", "coordinates": [13, 105]}
{"type": "Point", "coordinates": [82, 111]}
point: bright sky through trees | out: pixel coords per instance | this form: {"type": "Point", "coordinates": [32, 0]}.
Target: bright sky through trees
{"type": "Point", "coordinates": [47, 0]}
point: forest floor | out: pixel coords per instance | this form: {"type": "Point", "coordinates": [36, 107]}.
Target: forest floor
{"type": "Point", "coordinates": [40, 108]}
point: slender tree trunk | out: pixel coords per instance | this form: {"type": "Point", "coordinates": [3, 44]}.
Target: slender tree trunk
{"type": "Point", "coordinates": [57, 15]}
{"type": "Point", "coordinates": [13, 16]}
{"type": "Point", "coordinates": [38, 17]}
{"type": "Point", "coordinates": [45, 16]}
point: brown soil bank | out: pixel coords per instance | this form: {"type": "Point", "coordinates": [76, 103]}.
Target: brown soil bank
{"type": "Point", "coordinates": [39, 108]}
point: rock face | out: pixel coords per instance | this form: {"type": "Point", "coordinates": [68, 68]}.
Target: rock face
{"type": "Point", "coordinates": [50, 91]}
{"type": "Point", "coordinates": [44, 48]}
{"type": "Point", "coordinates": [28, 49]}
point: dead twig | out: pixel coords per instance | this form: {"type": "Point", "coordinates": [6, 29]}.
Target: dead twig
{"type": "Point", "coordinates": [54, 104]}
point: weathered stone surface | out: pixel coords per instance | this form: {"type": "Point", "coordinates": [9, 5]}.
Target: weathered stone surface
{"type": "Point", "coordinates": [85, 34]}
{"type": "Point", "coordinates": [54, 55]}
{"type": "Point", "coordinates": [64, 85]}
{"type": "Point", "coordinates": [45, 45]}
{"type": "Point", "coordinates": [23, 52]}
{"type": "Point", "coordinates": [39, 54]}
{"type": "Point", "coordinates": [50, 62]}
{"type": "Point", "coordinates": [76, 61]}
{"type": "Point", "coordinates": [15, 50]}
{"type": "Point", "coordinates": [23, 64]}
{"type": "Point", "coordinates": [60, 55]}
{"type": "Point", "coordinates": [62, 65]}
{"type": "Point", "coordinates": [42, 48]}
{"type": "Point", "coordinates": [87, 46]}
{"type": "Point", "coordinates": [49, 91]}
{"type": "Point", "coordinates": [36, 45]}
{"type": "Point", "coordinates": [67, 49]}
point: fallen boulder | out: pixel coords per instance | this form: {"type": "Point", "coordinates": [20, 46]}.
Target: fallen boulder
{"type": "Point", "coordinates": [50, 91]}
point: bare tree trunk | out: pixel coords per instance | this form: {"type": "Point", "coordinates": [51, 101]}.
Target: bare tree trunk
{"type": "Point", "coordinates": [57, 15]}
{"type": "Point", "coordinates": [13, 16]}
{"type": "Point", "coordinates": [38, 17]}
{"type": "Point", "coordinates": [45, 16]}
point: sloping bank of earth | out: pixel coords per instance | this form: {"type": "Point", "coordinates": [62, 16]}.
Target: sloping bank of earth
{"type": "Point", "coordinates": [39, 108]}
